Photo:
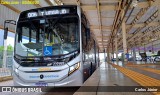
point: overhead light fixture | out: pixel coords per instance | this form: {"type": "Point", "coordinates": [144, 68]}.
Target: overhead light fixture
{"type": "Point", "coordinates": [134, 3]}
{"type": "Point", "coordinates": [153, 39]}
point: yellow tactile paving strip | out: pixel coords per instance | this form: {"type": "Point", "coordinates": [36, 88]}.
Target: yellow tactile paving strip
{"type": "Point", "coordinates": [139, 78]}
{"type": "Point", "coordinates": [135, 65]}
{"type": "Point", "coordinates": [150, 70]}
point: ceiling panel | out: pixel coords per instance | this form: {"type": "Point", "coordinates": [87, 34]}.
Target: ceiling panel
{"type": "Point", "coordinates": [94, 21]}
{"type": "Point", "coordinates": [108, 13]}
{"type": "Point", "coordinates": [91, 14]}
{"type": "Point", "coordinates": [107, 21]}
{"type": "Point", "coordinates": [69, 2]}
{"type": "Point", "coordinates": [88, 2]}
{"type": "Point", "coordinates": [149, 12]}
{"type": "Point", "coordinates": [23, 7]}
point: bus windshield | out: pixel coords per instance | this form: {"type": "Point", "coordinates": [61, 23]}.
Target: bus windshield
{"type": "Point", "coordinates": [47, 36]}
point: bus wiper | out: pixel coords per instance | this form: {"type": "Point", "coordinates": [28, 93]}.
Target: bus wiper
{"type": "Point", "coordinates": [53, 26]}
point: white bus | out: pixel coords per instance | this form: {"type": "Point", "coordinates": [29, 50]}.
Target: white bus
{"type": "Point", "coordinates": [53, 47]}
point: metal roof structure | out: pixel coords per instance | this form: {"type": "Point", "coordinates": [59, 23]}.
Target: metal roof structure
{"type": "Point", "coordinates": [142, 18]}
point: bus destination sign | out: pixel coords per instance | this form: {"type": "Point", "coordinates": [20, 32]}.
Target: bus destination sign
{"type": "Point", "coordinates": [47, 13]}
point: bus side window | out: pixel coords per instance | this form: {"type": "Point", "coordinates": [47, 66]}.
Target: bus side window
{"type": "Point", "coordinates": [84, 38]}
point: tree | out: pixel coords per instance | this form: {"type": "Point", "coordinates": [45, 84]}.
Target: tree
{"type": "Point", "coordinates": [9, 48]}
{"type": "Point", "coordinates": [1, 48]}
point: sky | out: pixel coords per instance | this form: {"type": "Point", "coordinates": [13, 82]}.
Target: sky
{"type": "Point", "coordinates": [10, 38]}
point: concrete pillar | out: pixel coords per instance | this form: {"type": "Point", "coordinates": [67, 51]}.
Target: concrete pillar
{"type": "Point", "coordinates": [144, 48]}
{"type": "Point", "coordinates": [112, 51]}
{"type": "Point", "coordinates": [124, 37]}
{"type": "Point", "coordinates": [134, 55]}
{"type": "Point", "coordinates": [105, 56]}
{"type": "Point", "coordinates": [131, 51]}
{"type": "Point", "coordinates": [139, 49]}
{"type": "Point", "coordinates": [116, 46]}
{"type": "Point", "coordinates": [152, 48]}
{"type": "Point", "coordinates": [108, 56]}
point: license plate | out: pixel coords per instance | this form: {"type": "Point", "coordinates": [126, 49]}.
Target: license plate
{"type": "Point", "coordinates": [41, 84]}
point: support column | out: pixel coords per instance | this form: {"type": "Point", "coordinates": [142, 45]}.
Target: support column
{"type": "Point", "coordinates": [144, 48]}
{"type": "Point", "coordinates": [116, 46]}
{"type": "Point", "coordinates": [108, 57]}
{"type": "Point", "coordinates": [134, 55]}
{"type": "Point", "coordinates": [131, 51]}
{"type": "Point", "coordinates": [5, 54]}
{"type": "Point", "coordinates": [152, 48]}
{"type": "Point", "coordinates": [112, 51]}
{"type": "Point", "coordinates": [104, 54]}
{"type": "Point", "coordinates": [124, 37]}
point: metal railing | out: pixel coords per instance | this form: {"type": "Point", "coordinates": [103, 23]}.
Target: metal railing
{"type": "Point", "coordinates": [8, 70]}
{"type": "Point", "coordinates": [5, 72]}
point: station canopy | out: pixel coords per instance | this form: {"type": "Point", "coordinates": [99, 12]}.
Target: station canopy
{"type": "Point", "coordinates": [141, 17]}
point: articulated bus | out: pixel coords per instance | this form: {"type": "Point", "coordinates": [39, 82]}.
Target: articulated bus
{"type": "Point", "coordinates": [53, 47]}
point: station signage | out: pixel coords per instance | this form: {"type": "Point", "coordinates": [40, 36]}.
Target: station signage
{"type": "Point", "coordinates": [47, 12]}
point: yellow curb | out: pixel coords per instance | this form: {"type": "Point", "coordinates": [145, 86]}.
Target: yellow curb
{"type": "Point", "coordinates": [6, 78]}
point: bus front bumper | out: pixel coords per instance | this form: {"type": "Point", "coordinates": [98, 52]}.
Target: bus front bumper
{"type": "Point", "coordinates": [75, 79]}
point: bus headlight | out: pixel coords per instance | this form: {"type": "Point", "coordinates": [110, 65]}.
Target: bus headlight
{"type": "Point", "coordinates": [16, 72]}
{"type": "Point", "coordinates": [74, 67]}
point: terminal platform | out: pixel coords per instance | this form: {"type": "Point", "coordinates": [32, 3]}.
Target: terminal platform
{"type": "Point", "coordinates": [116, 76]}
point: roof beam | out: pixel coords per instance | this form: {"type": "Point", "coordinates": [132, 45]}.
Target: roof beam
{"type": "Point", "coordinates": [112, 7]}
{"type": "Point", "coordinates": [101, 36]}
{"type": "Point", "coordinates": [12, 8]}
{"type": "Point", "coordinates": [139, 15]}
{"type": "Point", "coordinates": [78, 2]}
{"type": "Point", "coordinates": [128, 25]}
{"type": "Point", "coordinates": [136, 35]}
{"type": "Point", "coordinates": [97, 27]}
{"type": "Point", "coordinates": [143, 24]}
{"type": "Point", "coordinates": [109, 1]}
{"type": "Point", "coordinates": [37, 5]}
{"type": "Point", "coordinates": [115, 22]}
{"type": "Point", "coordinates": [58, 2]}
{"type": "Point", "coordinates": [49, 2]}
{"type": "Point", "coordinates": [147, 33]}
{"type": "Point", "coordinates": [148, 21]}
{"type": "Point", "coordinates": [100, 22]}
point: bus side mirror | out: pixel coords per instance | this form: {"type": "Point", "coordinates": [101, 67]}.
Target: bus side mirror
{"type": "Point", "coordinates": [5, 33]}
{"type": "Point", "coordinates": [88, 33]}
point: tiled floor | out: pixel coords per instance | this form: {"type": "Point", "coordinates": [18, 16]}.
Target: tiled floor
{"type": "Point", "coordinates": [106, 75]}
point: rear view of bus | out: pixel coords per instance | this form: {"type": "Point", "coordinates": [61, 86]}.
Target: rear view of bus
{"type": "Point", "coordinates": [47, 47]}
